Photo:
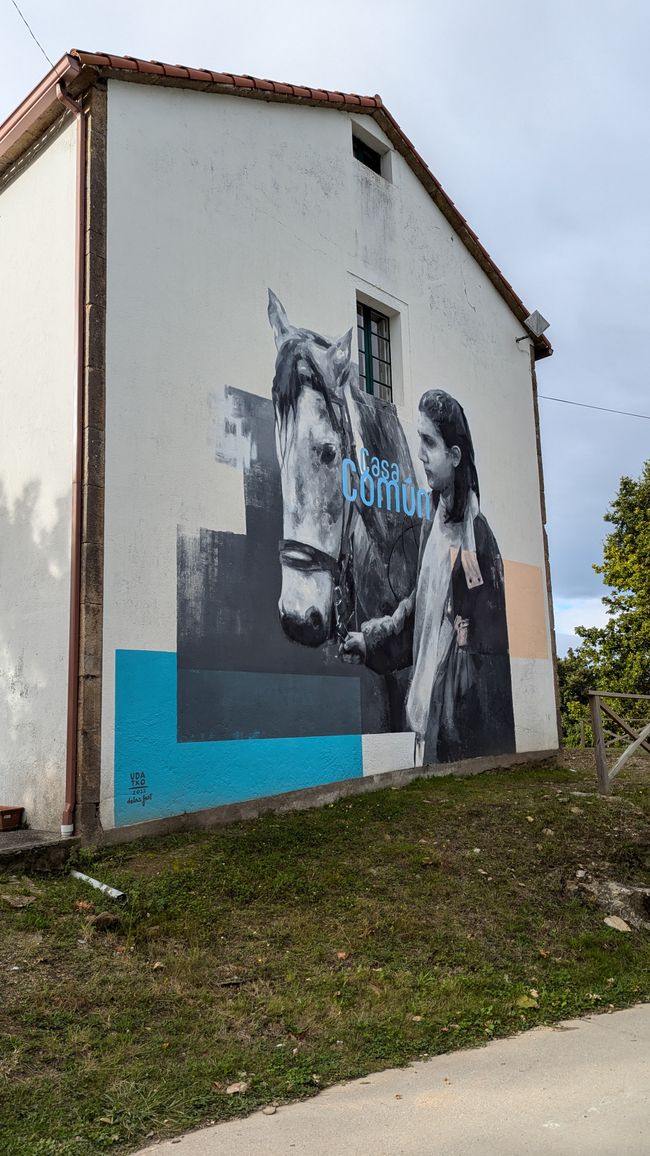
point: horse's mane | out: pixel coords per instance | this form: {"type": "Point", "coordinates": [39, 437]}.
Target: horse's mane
{"type": "Point", "coordinates": [380, 428]}
{"type": "Point", "coordinates": [287, 383]}
{"type": "Point", "coordinates": [383, 437]}
{"type": "Point", "coordinates": [382, 432]}
{"type": "Point", "coordinates": [394, 536]}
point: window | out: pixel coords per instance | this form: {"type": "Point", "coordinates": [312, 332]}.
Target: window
{"type": "Point", "coordinates": [373, 330]}
{"type": "Point", "coordinates": [367, 155]}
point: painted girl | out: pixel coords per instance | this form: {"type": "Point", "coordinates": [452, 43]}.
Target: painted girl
{"type": "Point", "coordinates": [452, 628]}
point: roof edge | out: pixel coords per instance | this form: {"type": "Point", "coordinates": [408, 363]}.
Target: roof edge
{"type": "Point", "coordinates": [78, 70]}
{"type": "Point", "coordinates": [157, 71]}
{"type": "Point", "coordinates": [404, 146]}
{"type": "Point", "coordinates": [40, 109]}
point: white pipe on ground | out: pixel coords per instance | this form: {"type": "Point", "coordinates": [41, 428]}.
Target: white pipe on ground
{"type": "Point", "coordinates": [112, 892]}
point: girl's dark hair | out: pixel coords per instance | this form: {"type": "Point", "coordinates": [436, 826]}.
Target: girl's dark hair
{"type": "Point", "coordinates": [449, 417]}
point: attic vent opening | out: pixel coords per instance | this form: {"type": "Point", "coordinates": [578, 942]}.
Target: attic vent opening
{"type": "Point", "coordinates": [367, 155]}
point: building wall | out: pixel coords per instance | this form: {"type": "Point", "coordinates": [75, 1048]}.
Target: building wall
{"type": "Point", "coordinates": [212, 201]}
{"type": "Point", "coordinates": [37, 380]}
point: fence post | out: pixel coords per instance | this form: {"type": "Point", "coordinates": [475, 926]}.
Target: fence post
{"type": "Point", "coordinates": [599, 743]}
{"type": "Point", "coordinates": [582, 734]}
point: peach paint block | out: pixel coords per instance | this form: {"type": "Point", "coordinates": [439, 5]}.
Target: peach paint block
{"type": "Point", "coordinates": [526, 610]}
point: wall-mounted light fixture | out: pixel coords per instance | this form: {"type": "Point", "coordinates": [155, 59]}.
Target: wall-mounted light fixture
{"type": "Point", "coordinates": [536, 324]}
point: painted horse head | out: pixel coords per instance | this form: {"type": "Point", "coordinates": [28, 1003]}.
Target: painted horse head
{"type": "Point", "coordinates": [313, 435]}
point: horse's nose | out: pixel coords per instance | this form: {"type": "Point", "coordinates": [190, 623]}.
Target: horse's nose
{"type": "Point", "coordinates": [308, 630]}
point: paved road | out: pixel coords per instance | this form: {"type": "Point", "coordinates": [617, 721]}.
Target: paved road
{"type": "Point", "coordinates": [580, 1089]}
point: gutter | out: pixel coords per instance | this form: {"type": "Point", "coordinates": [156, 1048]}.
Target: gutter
{"type": "Point", "coordinates": [36, 112]}
{"type": "Point", "coordinates": [67, 819]}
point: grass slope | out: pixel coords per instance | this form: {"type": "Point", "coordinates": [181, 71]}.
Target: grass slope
{"type": "Point", "coordinates": [299, 950]}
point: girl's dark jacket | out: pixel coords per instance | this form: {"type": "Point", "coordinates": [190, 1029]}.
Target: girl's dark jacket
{"type": "Point", "coordinates": [471, 701]}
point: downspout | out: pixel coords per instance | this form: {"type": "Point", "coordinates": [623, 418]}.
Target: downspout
{"type": "Point", "coordinates": [67, 819]}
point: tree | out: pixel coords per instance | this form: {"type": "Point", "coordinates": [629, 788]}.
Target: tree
{"type": "Point", "coordinates": [615, 656]}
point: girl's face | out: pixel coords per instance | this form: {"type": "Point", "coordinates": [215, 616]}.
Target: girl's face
{"type": "Point", "coordinates": [439, 460]}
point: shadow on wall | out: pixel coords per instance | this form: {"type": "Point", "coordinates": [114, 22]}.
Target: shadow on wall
{"type": "Point", "coordinates": [34, 594]}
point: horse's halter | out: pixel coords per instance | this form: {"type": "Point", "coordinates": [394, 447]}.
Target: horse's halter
{"type": "Point", "coordinates": [302, 556]}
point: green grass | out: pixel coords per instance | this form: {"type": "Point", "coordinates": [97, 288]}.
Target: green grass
{"type": "Point", "coordinates": [305, 949]}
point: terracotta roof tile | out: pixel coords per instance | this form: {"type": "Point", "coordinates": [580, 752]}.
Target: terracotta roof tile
{"type": "Point", "coordinates": [182, 72]}
{"type": "Point", "coordinates": [68, 66]}
{"type": "Point", "coordinates": [95, 58]}
{"type": "Point", "coordinates": [116, 61]}
{"type": "Point", "coordinates": [199, 74]}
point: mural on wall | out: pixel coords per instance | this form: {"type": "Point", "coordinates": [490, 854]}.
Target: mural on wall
{"type": "Point", "coordinates": [357, 601]}
{"type": "Point", "coordinates": [364, 596]}
{"type": "Point", "coordinates": [261, 616]}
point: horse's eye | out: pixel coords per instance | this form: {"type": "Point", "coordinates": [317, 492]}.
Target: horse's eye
{"type": "Point", "coordinates": [328, 454]}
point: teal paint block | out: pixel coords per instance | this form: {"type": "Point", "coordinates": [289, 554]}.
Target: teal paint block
{"type": "Point", "coordinates": [157, 777]}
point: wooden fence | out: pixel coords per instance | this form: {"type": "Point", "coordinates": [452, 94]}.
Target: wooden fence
{"type": "Point", "coordinates": [603, 721]}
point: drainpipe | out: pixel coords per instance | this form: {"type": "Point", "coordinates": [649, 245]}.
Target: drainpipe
{"type": "Point", "coordinates": [67, 819]}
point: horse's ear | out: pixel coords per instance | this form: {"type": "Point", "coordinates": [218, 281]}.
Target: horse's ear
{"type": "Point", "coordinates": [278, 318]}
{"type": "Point", "coordinates": [338, 355]}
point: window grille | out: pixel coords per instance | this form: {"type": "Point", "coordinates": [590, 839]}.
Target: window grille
{"type": "Point", "coordinates": [373, 331]}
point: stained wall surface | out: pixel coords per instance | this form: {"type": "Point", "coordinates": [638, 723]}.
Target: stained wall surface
{"type": "Point", "coordinates": [223, 677]}
{"type": "Point", "coordinates": [37, 379]}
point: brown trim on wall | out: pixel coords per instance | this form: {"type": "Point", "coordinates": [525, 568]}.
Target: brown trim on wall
{"type": "Point", "coordinates": [91, 593]}
{"type": "Point", "coordinates": [80, 116]}
{"type": "Point", "coordinates": [547, 564]}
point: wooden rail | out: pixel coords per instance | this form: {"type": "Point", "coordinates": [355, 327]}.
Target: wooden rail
{"type": "Point", "coordinates": [640, 738]}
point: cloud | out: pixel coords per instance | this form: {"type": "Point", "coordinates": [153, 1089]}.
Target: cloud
{"type": "Point", "coordinates": [572, 612]}
{"type": "Point", "coordinates": [534, 118]}
{"type": "Point", "coordinates": [564, 643]}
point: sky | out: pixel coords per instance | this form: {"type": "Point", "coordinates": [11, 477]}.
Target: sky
{"type": "Point", "coordinates": [534, 119]}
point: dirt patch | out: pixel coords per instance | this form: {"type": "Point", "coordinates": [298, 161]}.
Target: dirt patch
{"type": "Point", "coordinates": [585, 760]}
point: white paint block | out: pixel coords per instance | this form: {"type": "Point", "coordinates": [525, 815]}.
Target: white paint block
{"type": "Point", "coordinates": [533, 700]}
{"type": "Point", "coordinates": [394, 752]}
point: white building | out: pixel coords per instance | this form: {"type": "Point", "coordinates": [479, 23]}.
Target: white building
{"type": "Point", "coordinates": [145, 672]}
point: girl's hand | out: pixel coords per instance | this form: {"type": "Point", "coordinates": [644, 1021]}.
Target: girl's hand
{"type": "Point", "coordinates": [353, 649]}
{"type": "Point", "coordinates": [461, 626]}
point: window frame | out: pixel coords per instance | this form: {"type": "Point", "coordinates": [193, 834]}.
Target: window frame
{"type": "Point", "coordinates": [363, 138]}
{"type": "Point", "coordinates": [369, 379]}
{"type": "Point", "coordinates": [366, 154]}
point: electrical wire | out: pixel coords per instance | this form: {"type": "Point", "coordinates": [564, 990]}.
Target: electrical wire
{"type": "Point", "coordinates": [34, 38]}
{"type": "Point", "coordinates": [602, 408]}
{"type": "Point", "coordinates": [564, 401]}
